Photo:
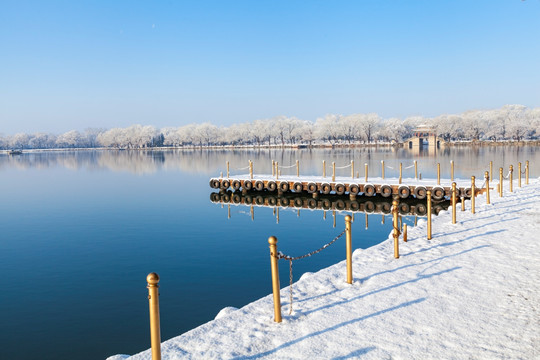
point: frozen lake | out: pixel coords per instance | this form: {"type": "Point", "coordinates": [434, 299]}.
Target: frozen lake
{"type": "Point", "coordinates": [81, 230]}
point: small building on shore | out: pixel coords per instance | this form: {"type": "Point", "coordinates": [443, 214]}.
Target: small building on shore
{"type": "Point", "coordinates": [425, 136]}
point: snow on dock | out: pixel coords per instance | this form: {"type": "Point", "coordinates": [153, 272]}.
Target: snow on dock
{"type": "Point", "coordinates": [470, 292]}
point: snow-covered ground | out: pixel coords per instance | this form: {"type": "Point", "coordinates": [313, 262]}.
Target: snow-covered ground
{"type": "Point", "coordinates": [472, 292]}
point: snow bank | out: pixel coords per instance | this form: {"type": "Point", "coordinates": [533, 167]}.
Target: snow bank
{"type": "Point", "coordinates": [470, 292]}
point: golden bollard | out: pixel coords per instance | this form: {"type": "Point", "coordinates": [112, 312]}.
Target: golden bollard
{"type": "Point", "coordinates": [428, 194]}
{"type": "Point", "coordinates": [416, 169]}
{"type": "Point", "coordinates": [324, 168]}
{"type": "Point", "coordinates": [463, 203]}
{"type": "Point", "coordinates": [153, 301]}
{"type": "Point", "coordinates": [396, 228]}
{"type": "Point", "coordinates": [527, 172]}
{"type": "Point", "coordinates": [438, 173]}
{"type": "Point", "coordinates": [511, 178]}
{"type": "Point", "coordinates": [297, 168]}
{"type": "Point", "coordinates": [500, 182]}
{"type": "Point", "coordinates": [366, 166]}
{"type": "Point", "coordinates": [473, 193]}
{"type": "Point", "coordinates": [451, 170]}
{"type": "Point", "coordinates": [486, 176]}
{"type": "Point", "coordinates": [227, 169]}
{"type": "Point", "coordinates": [251, 169]}
{"type": "Point", "coordinates": [272, 240]}
{"type": "Point", "coordinates": [519, 171]}
{"type": "Point", "coordinates": [454, 202]}
{"type": "Point", "coordinates": [382, 168]}
{"type": "Point", "coordinates": [273, 168]}
{"type": "Point", "coordinates": [404, 232]}
{"type": "Point", "coordinates": [277, 170]}
{"type": "Point", "coordinates": [333, 171]}
{"type": "Point", "coordinates": [348, 236]}
{"type": "Point", "coordinates": [400, 172]}
{"type": "Point", "coordinates": [352, 169]}
{"type": "Point", "coordinates": [491, 169]}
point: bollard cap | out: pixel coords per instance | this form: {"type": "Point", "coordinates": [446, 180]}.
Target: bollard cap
{"type": "Point", "coordinates": [454, 185]}
{"type": "Point", "coordinates": [272, 240]}
{"type": "Point", "coordinates": [152, 278]}
{"type": "Point", "coordinates": [395, 202]}
{"type": "Point", "coordinates": [486, 174]}
{"type": "Point", "coordinates": [348, 218]}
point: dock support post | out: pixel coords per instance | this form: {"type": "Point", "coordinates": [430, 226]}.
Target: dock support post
{"type": "Point", "coordinates": [428, 193]}
{"type": "Point", "coordinates": [511, 178]}
{"type": "Point", "coordinates": [352, 169]}
{"type": "Point", "coordinates": [251, 170]}
{"type": "Point", "coordinates": [272, 241]}
{"type": "Point", "coordinates": [297, 168]}
{"type": "Point", "coordinates": [519, 177]}
{"type": "Point", "coordinates": [501, 182]}
{"type": "Point", "coordinates": [404, 232]}
{"type": "Point", "coordinates": [400, 172]}
{"type": "Point", "coordinates": [348, 237]}
{"type": "Point", "coordinates": [491, 169]}
{"type": "Point", "coordinates": [416, 169]}
{"type": "Point", "coordinates": [451, 170]}
{"type": "Point", "coordinates": [367, 220]}
{"type": "Point", "coordinates": [324, 168]}
{"type": "Point", "coordinates": [273, 168]}
{"type": "Point", "coordinates": [277, 170]}
{"type": "Point", "coordinates": [473, 193]}
{"type": "Point", "coordinates": [153, 301]}
{"type": "Point", "coordinates": [527, 172]}
{"type": "Point", "coordinates": [333, 171]}
{"type": "Point", "coordinates": [486, 176]}
{"type": "Point", "coordinates": [454, 202]}
{"type": "Point", "coordinates": [463, 203]}
{"type": "Point", "coordinates": [366, 166]}
{"type": "Point", "coordinates": [438, 173]}
{"type": "Point", "coordinates": [396, 228]}
{"type": "Point", "coordinates": [382, 168]}
{"type": "Point", "coordinates": [227, 169]}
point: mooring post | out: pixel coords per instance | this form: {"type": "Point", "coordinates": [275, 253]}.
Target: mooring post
{"type": "Point", "coordinates": [511, 178]}
{"type": "Point", "coordinates": [382, 168]}
{"type": "Point", "coordinates": [348, 237]}
{"type": "Point", "coordinates": [491, 169]}
{"type": "Point", "coordinates": [451, 170]}
{"type": "Point", "coordinates": [486, 176]}
{"type": "Point", "coordinates": [273, 168]}
{"type": "Point", "coordinates": [415, 169]}
{"type": "Point", "coordinates": [400, 172]}
{"type": "Point", "coordinates": [473, 193]}
{"type": "Point", "coordinates": [501, 182]}
{"type": "Point", "coordinates": [463, 203]}
{"type": "Point", "coordinates": [333, 171]}
{"type": "Point", "coordinates": [366, 166]}
{"type": "Point", "coordinates": [352, 169]}
{"type": "Point", "coordinates": [519, 177]}
{"type": "Point", "coordinates": [251, 169]}
{"type": "Point", "coordinates": [153, 301]}
{"type": "Point", "coordinates": [297, 168]}
{"type": "Point", "coordinates": [277, 170]}
{"type": "Point", "coordinates": [272, 241]}
{"type": "Point", "coordinates": [227, 169]}
{"type": "Point", "coordinates": [404, 232]}
{"type": "Point", "coordinates": [438, 173]}
{"type": "Point", "coordinates": [324, 168]}
{"type": "Point", "coordinates": [454, 202]}
{"type": "Point", "coordinates": [527, 172]}
{"type": "Point", "coordinates": [428, 194]}
{"type": "Point", "coordinates": [396, 228]}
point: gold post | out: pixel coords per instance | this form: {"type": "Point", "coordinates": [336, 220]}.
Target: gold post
{"type": "Point", "coordinates": [511, 178]}
{"type": "Point", "coordinates": [367, 221]}
{"type": "Point", "coordinates": [454, 202]}
{"type": "Point", "coordinates": [416, 169]}
{"type": "Point", "coordinates": [352, 169]}
{"type": "Point", "coordinates": [451, 170]}
{"type": "Point", "coordinates": [228, 211]}
{"type": "Point", "coordinates": [273, 168]}
{"type": "Point", "coordinates": [277, 215]}
{"type": "Point", "coordinates": [382, 168]}
{"type": "Point", "coordinates": [272, 240]}
{"type": "Point", "coordinates": [251, 169]}
{"type": "Point", "coordinates": [473, 193]}
{"type": "Point", "coordinates": [527, 172]}
{"type": "Point", "coordinates": [323, 168]}
{"type": "Point", "coordinates": [382, 219]}
{"type": "Point", "coordinates": [519, 177]}
{"type": "Point", "coordinates": [415, 220]}
{"type": "Point", "coordinates": [428, 193]}
{"type": "Point", "coordinates": [153, 301]}
{"type": "Point", "coordinates": [491, 169]}
{"type": "Point", "coordinates": [366, 166]}
{"type": "Point", "coordinates": [438, 173]}
{"type": "Point", "coordinates": [297, 168]}
{"type": "Point", "coordinates": [252, 211]}
{"type": "Point", "coordinates": [348, 248]}
{"type": "Point", "coordinates": [277, 170]}
{"type": "Point", "coordinates": [333, 171]}
{"type": "Point", "coordinates": [334, 215]}
{"type": "Point", "coordinates": [463, 203]}
{"type": "Point", "coordinates": [396, 228]}
{"type": "Point", "coordinates": [400, 172]}
{"type": "Point", "coordinates": [404, 232]}
{"type": "Point", "coordinates": [486, 176]}
{"type": "Point", "coordinates": [227, 169]}
{"type": "Point", "coordinates": [500, 182]}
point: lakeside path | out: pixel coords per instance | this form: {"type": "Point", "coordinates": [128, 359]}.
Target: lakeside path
{"type": "Point", "coordinates": [470, 292]}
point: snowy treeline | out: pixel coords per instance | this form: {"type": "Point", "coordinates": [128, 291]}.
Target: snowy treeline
{"type": "Point", "coordinates": [511, 122]}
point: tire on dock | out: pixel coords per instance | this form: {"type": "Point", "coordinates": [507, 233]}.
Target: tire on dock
{"type": "Point", "coordinates": [248, 199]}
{"type": "Point", "coordinates": [437, 193]}
{"type": "Point", "coordinates": [214, 183]}
{"type": "Point", "coordinates": [420, 192]}
{"type": "Point", "coordinates": [369, 190]}
{"type": "Point", "coordinates": [354, 205]}
{"type": "Point", "coordinates": [284, 202]}
{"type": "Point", "coordinates": [225, 184]}
{"type": "Point", "coordinates": [369, 206]}
{"type": "Point", "coordinates": [271, 186]}
{"type": "Point", "coordinates": [298, 187]}
{"type": "Point", "coordinates": [298, 202]}
{"type": "Point", "coordinates": [284, 186]}
{"type": "Point", "coordinates": [259, 185]}
{"type": "Point", "coordinates": [214, 197]}
{"type": "Point", "coordinates": [420, 209]}
{"type": "Point", "coordinates": [386, 208]}
{"type": "Point", "coordinates": [259, 200]}
{"type": "Point", "coordinates": [466, 192]}
{"type": "Point", "coordinates": [248, 185]}
{"type": "Point", "coordinates": [386, 190]}
{"type": "Point", "coordinates": [340, 204]}
{"type": "Point", "coordinates": [272, 201]}
{"type": "Point", "coordinates": [326, 188]}
{"type": "Point", "coordinates": [404, 208]}
{"type": "Point", "coordinates": [311, 187]}
{"type": "Point", "coordinates": [354, 189]}
{"type": "Point", "coordinates": [236, 198]}
{"type": "Point", "coordinates": [236, 184]}
{"type": "Point", "coordinates": [404, 191]}
{"type": "Point", "coordinates": [340, 189]}
{"type": "Point", "coordinates": [326, 204]}
{"type": "Point", "coordinates": [312, 203]}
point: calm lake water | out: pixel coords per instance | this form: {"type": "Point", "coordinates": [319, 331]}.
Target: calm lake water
{"type": "Point", "coordinates": [81, 230]}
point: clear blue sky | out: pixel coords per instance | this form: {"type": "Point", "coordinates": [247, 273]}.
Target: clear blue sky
{"type": "Point", "coordinates": [76, 64]}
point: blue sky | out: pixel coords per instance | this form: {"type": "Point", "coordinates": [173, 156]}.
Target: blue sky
{"type": "Point", "coordinates": [77, 64]}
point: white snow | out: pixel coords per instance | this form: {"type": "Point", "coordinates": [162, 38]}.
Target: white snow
{"type": "Point", "coordinates": [470, 292]}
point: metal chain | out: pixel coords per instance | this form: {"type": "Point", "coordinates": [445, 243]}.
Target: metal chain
{"type": "Point", "coordinates": [287, 167]}
{"type": "Point", "coordinates": [408, 167]}
{"type": "Point", "coordinates": [507, 176]}
{"type": "Point", "coordinates": [343, 167]}
{"type": "Point", "coordinates": [389, 167]}
{"type": "Point", "coordinates": [280, 255]}
{"type": "Point", "coordinates": [244, 168]}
